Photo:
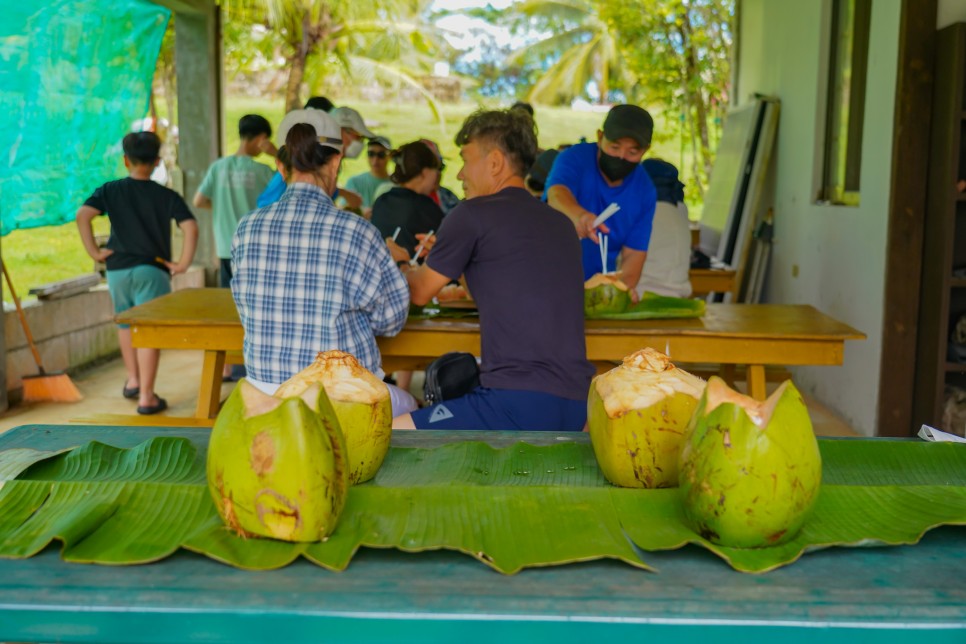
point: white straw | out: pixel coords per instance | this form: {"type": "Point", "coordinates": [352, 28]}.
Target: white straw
{"type": "Point", "coordinates": [396, 234]}
{"type": "Point", "coordinates": [419, 248]}
{"type": "Point", "coordinates": [602, 245]}
{"type": "Point", "coordinates": [604, 216]}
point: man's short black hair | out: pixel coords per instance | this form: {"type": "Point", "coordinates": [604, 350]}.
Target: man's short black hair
{"type": "Point", "coordinates": [142, 148]}
{"type": "Point", "coordinates": [512, 131]}
{"type": "Point", "coordinates": [251, 125]}
{"type": "Point", "coordinates": [523, 105]}
{"type": "Point", "coordinates": [319, 103]}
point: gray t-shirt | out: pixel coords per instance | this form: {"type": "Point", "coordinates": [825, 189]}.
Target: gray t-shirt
{"type": "Point", "coordinates": [522, 262]}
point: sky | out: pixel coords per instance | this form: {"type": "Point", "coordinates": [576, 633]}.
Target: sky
{"type": "Point", "coordinates": [467, 32]}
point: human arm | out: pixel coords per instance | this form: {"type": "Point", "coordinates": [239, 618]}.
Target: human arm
{"type": "Point", "coordinates": [267, 147]}
{"type": "Point", "coordinates": [353, 201]}
{"type": "Point", "coordinates": [424, 283]}
{"type": "Point", "coordinates": [201, 201]}
{"type": "Point", "coordinates": [85, 215]}
{"type": "Point", "coordinates": [202, 198]}
{"type": "Point", "coordinates": [632, 264]}
{"type": "Point", "coordinates": [561, 198]}
{"type": "Point", "coordinates": [190, 229]}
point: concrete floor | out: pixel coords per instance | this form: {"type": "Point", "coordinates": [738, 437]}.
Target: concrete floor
{"type": "Point", "coordinates": [178, 378]}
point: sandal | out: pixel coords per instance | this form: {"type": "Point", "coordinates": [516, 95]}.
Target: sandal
{"type": "Point", "coordinates": [131, 393]}
{"type": "Point", "coordinates": [161, 405]}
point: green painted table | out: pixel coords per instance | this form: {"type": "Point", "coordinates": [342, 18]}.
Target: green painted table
{"type": "Point", "coordinates": [900, 594]}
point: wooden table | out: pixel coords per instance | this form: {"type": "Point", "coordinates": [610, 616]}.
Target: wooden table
{"type": "Point", "coordinates": [756, 335]}
{"type": "Point", "coordinates": [911, 594]}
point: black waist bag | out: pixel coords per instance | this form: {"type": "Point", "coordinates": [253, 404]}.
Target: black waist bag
{"type": "Point", "coordinates": [450, 376]}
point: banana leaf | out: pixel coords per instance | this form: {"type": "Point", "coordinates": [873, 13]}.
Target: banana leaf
{"type": "Point", "coordinates": [515, 507]}
{"type": "Point", "coordinates": [652, 306]}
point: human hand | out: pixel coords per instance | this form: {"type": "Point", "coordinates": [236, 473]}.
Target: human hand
{"type": "Point", "coordinates": [585, 227]}
{"type": "Point", "coordinates": [268, 147]}
{"type": "Point", "coordinates": [101, 255]}
{"type": "Point", "coordinates": [635, 298]}
{"type": "Point", "coordinates": [173, 267]}
{"type": "Point", "coordinates": [426, 242]}
{"type": "Point", "coordinates": [399, 254]}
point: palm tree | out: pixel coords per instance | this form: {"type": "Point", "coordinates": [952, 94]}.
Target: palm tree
{"type": "Point", "coordinates": [581, 49]}
{"type": "Point", "coordinates": [358, 39]}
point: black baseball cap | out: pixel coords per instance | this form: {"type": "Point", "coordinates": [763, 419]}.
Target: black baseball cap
{"type": "Point", "coordinates": [629, 121]}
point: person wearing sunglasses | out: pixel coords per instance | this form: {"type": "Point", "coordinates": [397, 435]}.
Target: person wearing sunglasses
{"type": "Point", "coordinates": [366, 184]}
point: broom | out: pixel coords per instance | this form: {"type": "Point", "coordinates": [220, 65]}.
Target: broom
{"type": "Point", "coordinates": [44, 387]}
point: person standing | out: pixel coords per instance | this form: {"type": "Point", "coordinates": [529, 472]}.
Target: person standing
{"type": "Point", "coordinates": [586, 178]}
{"type": "Point", "coordinates": [138, 252]}
{"type": "Point", "coordinates": [232, 185]}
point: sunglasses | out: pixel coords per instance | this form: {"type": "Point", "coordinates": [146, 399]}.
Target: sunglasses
{"type": "Point", "coordinates": [378, 155]}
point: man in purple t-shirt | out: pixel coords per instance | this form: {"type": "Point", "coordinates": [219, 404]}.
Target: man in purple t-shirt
{"type": "Point", "coordinates": [522, 264]}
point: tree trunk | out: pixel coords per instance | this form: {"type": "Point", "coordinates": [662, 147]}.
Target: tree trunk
{"type": "Point", "coordinates": [695, 98]}
{"type": "Point", "coordinates": [293, 88]}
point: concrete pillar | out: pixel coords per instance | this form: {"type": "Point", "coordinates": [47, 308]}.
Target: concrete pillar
{"type": "Point", "coordinates": [198, 65]}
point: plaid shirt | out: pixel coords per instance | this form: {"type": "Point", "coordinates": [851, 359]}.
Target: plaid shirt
{"type": "Point", "coordinates": [308, 277]}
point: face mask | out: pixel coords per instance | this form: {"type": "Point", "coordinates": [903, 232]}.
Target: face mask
{"type": "Point", "coordinates": [354, 149]}
{"type": "Point", "coordinates": [615, 168]}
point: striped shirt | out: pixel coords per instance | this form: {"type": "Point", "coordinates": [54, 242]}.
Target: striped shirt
{"type": "Point", "coordinates": [308, 277]}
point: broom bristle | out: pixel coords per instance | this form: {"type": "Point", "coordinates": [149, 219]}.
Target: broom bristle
{"type": "Point", "coordinates": [50, 387]}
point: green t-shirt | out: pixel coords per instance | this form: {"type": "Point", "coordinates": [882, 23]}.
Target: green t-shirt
{"type": "Point", "coordinates": [232, 184]}
{"type": "Point", "coordinates": [365, 186]}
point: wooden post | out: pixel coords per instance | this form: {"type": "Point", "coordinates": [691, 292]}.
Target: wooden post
{"type": "Point", "coordinates": [907, 207]}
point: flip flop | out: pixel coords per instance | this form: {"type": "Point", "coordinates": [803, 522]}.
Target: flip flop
{"type": "Point", "coordinates": [131, 393]}
{"type": "Point", "coordinates": [161, 405]}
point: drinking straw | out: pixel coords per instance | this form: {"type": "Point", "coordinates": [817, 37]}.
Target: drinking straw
{"type": "Point", "coordinates": [604, 216]}
{"type": "Point", "coordinates": [396, 234]}
{"type": "Point", "coordinates": [603, 253]}
{"type": "Point", "coordinates": [419, 248]}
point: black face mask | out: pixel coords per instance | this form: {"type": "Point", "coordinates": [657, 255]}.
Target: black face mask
{"type": "Point", "coordinates": [615, 168]}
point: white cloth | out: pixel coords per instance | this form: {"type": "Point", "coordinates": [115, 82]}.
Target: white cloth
{"type": "Point", "coordinates": [402, 401]}
{"type": "Point", "coordinates": [669, 253]}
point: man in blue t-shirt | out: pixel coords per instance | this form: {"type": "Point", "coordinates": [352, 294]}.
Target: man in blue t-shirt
{"type": "Point", "coordinates": [588, 177]}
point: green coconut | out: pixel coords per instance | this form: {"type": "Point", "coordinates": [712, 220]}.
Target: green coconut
{"type": "Point", "coordinates": [277, 467]}
{"type": "Point", "coordinates": [750, 470]}
{"type": "Point", "coordinates": [637, 415]}
{"type": "Point", "coordinates": [361, 402]}
{"type": "Point", "coordinates": [605, 294]}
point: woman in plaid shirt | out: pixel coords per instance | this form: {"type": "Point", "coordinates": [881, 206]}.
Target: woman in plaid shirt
{"type": "Point", "coordinates": [309, 277]}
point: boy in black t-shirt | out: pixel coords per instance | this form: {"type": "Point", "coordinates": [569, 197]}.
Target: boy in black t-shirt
{"type": "Point", "coordinates": [138, 251]}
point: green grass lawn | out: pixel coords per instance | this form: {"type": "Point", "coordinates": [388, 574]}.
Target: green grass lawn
{"type": "Point", "coordinates": [42, 255]}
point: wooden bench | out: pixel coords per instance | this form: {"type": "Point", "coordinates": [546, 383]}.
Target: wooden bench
{"type": "Point", "coordinates": [67, 287]}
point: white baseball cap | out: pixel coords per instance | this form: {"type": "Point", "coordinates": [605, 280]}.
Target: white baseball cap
{"type": "Point", "coordinates": [326, 128]}
{"type": "Point", "coordinates": [349, 119]}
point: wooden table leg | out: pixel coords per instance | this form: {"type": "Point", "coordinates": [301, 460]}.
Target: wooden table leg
{"type": "Point", "coordinates": [756, 381]}
{"type": "Point", "coordinates": [209, 396]}
{"type": "Point", "coordinates": [727, 373]}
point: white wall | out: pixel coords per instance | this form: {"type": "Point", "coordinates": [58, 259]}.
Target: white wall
{"type": "Point", "coordinates": [951, 11]}
{"type": "Point", "coordinates": [832, 257]}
